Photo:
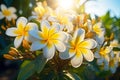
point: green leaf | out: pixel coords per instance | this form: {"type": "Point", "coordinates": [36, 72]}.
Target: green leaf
{"type": "Point", "coordinates": [40, 63]}
{"type": "Point", "coordinates": [6, 50]}
{"type": "Point", "coordinates": [28, 68]}
{"type": "Point", "coordinates": [116, 49]}
{"type": "Point", "coordinates": [75, 76]}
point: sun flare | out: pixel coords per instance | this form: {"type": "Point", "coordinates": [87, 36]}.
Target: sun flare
{"type": "Point", "coordinates": [66, 4]}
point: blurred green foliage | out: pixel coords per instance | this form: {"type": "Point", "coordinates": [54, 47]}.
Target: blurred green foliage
{"type": "Point", "coordinates": [88, 71]}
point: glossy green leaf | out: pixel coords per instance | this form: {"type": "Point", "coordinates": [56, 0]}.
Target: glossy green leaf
{"type": "Point", "coordinates": [40, 63]}
{"type": "Point", "coordinates": [28, 68]}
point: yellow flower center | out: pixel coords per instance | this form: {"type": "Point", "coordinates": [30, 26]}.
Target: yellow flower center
{"type": "Point", "coordinates": [103, 51]}
{"type": "Point", "coordinates": [97, 30]}
{"type": "Point", "coordinates": [21, 30]}
{"type": "Point", "coordinates": [49, 36]}
{"type": "Point", "coordinates": [76, 47]}
{"type": "Point", "coordinates": [62, 20]}
{"type": "Point", "coordinates": [6, 12]}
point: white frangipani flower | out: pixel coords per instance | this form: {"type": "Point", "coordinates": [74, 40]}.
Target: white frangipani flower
{"type": "Point", "coordinates": [103, 55]}
{"type": "Point", "coordinates": [100, 32]}
{"type": "Point", "coordinates": [63, 17]}
{"type": "Point", "coordinates": [8, 13]}
{"type": "Point", "coordinates": [21, 32]}
{"type": "Point", "coordinates": [113, 64]}
{"type": "Point", "coordinates": [50, 38]}
{"type": "Point", "coordinates": [79, 47]}
{"type": "Point", "coordinates": [42, 11]}
{"type": "Point", "coordinates": [114, 43]}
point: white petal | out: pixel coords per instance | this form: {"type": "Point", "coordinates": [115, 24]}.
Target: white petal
{"type": "Point", "coordinates": [89, 43]}
{"type": "Point", "coordinates": [21, 20]}
{"type": "Point", "coordinates": [9, 18]}
{"type": "Point", "coordinates": [45, 23]}
{"type": "Point", "coordinates": [88, 54]}
{"type": "Point", "coordinates": [35, 34]}
{"type": "Point", "coordinates": [106, 67]}
{"type": "Point", "coordinates": [97, 55]}
{"type": "Point", "coordinates": [32, 39]}
{"type": "Point", "coordinates": [69, 27]}
{"type": "Point", "coordinates": [18, 41]}
{"type": "Point", "coordinates": [56, 26]}
{"type": "Point", "coordinates": [100, 40]}
{"type": "Point", "coordinates": [67, 54]}
{"type": "Point", "coordinates": [113, 69]}
{"type": "Point", "coordinates": [52, 19]}
{"type": "Point", "coordinates": [3, 7]}
{"type": "Point", "coordinates": [32, 26]}
{"type": "Point", "coordinates": [62, 27]}
{"type": "Point", "coordinates": [89, 24]}
{"type": "Point", "coordinates": [54, 29]}
{"type": "Point", "coordinates": [79, 35]}
{"type": "Point", "coordinates": [37, 45]}
{"type": "Point", "coordinates": [11, 32]}
{"type": "Point", "coordinates": [77, 61]}
{"type": "Point", "coordinates": [1, 15]}
{"type": "Point", "coordinates": [13, 16]}
{"type": "Point", "coordinates": [12, 9]}
{"type": "Point", "coordinates": [49, 52]}
{"type": "Point", "coordinates": [100, 61]}
{"type": "Point", "coordinates": [60, 46]}
{"type": "Point", "coordinates": [62, 36]}
{"type": "Point", "coordinates": [107, 59]}
{"type": "Point", "coordinates": [111, 54]}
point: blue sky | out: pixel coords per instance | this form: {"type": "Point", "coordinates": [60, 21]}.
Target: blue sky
{"type": "Point", "coordinates": [100, 7]}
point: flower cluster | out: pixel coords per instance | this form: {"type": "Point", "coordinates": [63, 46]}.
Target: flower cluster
{"type": "Point", "coordinates": [73, 36]}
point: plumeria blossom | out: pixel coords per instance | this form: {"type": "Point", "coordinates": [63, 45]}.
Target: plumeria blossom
{"type": "Point", "coordinates": [50, 38]}
{"type": "Point", "coordinates": [64, 18]}
{"type": "Point", "coordinates": [21, 31]}
{"type": "Point", "coordinates": [42, 11]}
{"type": "Point", "coordinates": [103, 55]}
{"type": "Point", "coordinates": [114, 43]}
{"type": "Point", "coordinates": [8, 13]}
{"type": "Point", "coordinates": [100, 32]}
{"type": "Point", "coordinates": [79, 47]}
{"type": "Point", "coordinates": [113, 64]}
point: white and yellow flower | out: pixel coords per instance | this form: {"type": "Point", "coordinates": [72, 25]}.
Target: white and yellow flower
{"type": "Point", "coordinates": [100, 32]}
{"type": "Point", "coordinates": [64, 18]}
{"type": "Point", "coordinates": [114, 43]}
{"type": "Point", "coordinates": [78, 47]}
{"type": "Point", "coordinates": [42, 11]}
{"type": "Point", "coordinates": [21, 32]}
{"type": "Point", "coordinates": [8, 13]}
{"type": "Point", "coordinates": [50, 38]}
{"type": "Point", "coordinates": [113, 64]}
{"type": "Point", "coordinates": [103, 55]}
